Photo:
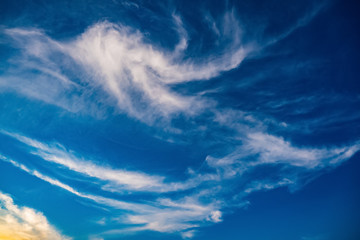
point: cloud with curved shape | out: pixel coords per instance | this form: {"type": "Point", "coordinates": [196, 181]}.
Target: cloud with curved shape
{"type": "Point", "coordinates": [24, 223]}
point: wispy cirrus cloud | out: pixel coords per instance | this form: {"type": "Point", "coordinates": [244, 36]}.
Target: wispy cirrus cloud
{"type": "Point", "coordinates": [24, 223]}
{"type": "Point", "coordinates": [259, 148]}
{"type": "Point", "coordinates": [161, 214]}
{"type": "Point", "coordinates": [117, 60]}
{"type": "Point", "coordinates": [114, 180]}
{"type": "Point", "coordinates": [116, 65]}
{"type": "Point", "coordinates": [315, 9]}
{"type": "Point", "coordinates": [202, 199]}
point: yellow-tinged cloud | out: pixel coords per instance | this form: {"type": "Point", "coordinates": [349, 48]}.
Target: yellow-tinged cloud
{"type": "Point", "coordinates": [23, 223]}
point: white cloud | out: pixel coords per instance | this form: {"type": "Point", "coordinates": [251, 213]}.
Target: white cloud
{"type": "Point", "coordinates": [174, 215]}
{"type": "Point", "coordinates": [137, 76]}
{"type": "Point", "coordinates": [98, 199]}
{"type": "Point", "coordinates": [23, 223]}
{"type": "Point", "coordinates": [189, 211]}
{"type": "Point", "coordinates": [273, 149]}
{"type": "Point", "coordinates": [183, 35]}
{"type": "Point", "coordinates": [116, 180]}
{"type": "Point", "coordinates": [162, 214]}
{"type": "Point", "coordinates": [118, 65]}
{"type": "Point", "coordinates": [188, 234]}
{"type": "Point", "coordinates": [301, 22]}
{"type": "Point", "coordinates": [258, 148]}
{"type": "Point", "coordinates": [215, 216]}
{"type": "Point", "coordinates": [265, 185]}
{"type": "Point", "coordinates": [112, 64]}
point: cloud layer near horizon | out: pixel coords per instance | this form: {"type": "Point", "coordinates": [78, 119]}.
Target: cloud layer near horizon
{"type": "Point", "coordinates": [23, 223]}
{"type": "Point", "coordinates": [201, 199]}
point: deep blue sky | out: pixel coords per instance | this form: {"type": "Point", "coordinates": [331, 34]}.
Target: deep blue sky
{"type": "Point", "coordinates": [179, 120]}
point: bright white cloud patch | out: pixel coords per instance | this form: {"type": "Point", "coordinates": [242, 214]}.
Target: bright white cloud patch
{"type": "Point", "coordinates": [135, 74]}
{"type": "Point", "coordinates": [215, 216]}
{"type": "Point", "coordinates": [23, 223]}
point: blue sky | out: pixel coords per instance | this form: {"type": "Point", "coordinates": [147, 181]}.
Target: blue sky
{"type": "Point", "coordinates": [179, 120]}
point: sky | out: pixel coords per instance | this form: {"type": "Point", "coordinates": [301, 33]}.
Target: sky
{"type": "Point", "coordinates": [179, 120]}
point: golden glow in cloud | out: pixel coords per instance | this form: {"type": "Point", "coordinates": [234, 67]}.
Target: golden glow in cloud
{"type": "Point", "coordinates": [23, 223]}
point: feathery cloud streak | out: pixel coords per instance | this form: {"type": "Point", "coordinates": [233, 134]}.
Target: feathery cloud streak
{"type": "Point", "coordinates": [162, 214]}
{"type": "Point", "coordinates": [204, 200]}
{"type": "Point", "coordinates": [136, 75]}
{"type": "Point", "coordinates": [116, 180]}
{"type": "Point", "coordinates": [115, 65]}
